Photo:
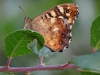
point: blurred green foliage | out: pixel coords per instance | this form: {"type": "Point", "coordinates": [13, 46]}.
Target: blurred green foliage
{"type": "Point", "coordinates": [12, 18]}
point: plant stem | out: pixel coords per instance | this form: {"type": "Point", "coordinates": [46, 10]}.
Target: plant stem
{"type": "Point", "coordinates": [41, 67]}
{"type": "Point", "coordinates": [95, 49]}
{"type": "Point", "coordinates": [8, 63]}
{"type": "Point", "coordinates": [38, 68]}
{"type": "Point", "coordinates": [41, 61]}
{"type": "Point", "coordinates": [65, 65]}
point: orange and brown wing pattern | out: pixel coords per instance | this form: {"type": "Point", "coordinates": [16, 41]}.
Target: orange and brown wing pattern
{"type": "Point", "coordinates": [55, 25]}
{"type": "Point", "coordinates": [54, 32]}
{"type": "Point", "coordinates": [67, 11]}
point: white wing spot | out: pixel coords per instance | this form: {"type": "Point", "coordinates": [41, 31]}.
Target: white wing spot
{"type": "Point", "coordinates": [53, 13]}
{"type": "Point", "coordinates": [53, 20]}
{"type": "Point", "coordinates": [67, 14]}
{"type": "Point", "coordinates": [61, 17]}
{"type": "Point", "coordinates": [48, 16]}
{"type": "Point", "coordinates": [55, 29]}
{"type": "Point", "coordinates": [61, 9]}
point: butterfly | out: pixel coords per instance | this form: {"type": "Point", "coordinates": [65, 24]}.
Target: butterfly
{"type": "Point", "coordinates": [55, 25]}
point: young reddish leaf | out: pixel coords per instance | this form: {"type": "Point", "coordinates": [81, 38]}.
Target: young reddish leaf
{"type": "Point", "coordinates": [16, 43]}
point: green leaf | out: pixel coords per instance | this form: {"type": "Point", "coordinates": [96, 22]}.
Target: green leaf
{"type": "Point", "coordinates": [89, 63]}
{"type": "Point", "coordinates": [76, 72]}
{"type": "Point", "coordinates": [89, 73]}
{"type": "Point", "coordinates": [16, 43]}
{"type": "Point", "coordinates": [6, 73]}
{"type": "Point", "coordinates": [95, 33]}
{"type": "Point", "coordinates": [44, 52]}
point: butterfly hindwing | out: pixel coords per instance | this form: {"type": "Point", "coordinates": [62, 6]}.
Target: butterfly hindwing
{"type": "Point", "coordinates": [54, 31]}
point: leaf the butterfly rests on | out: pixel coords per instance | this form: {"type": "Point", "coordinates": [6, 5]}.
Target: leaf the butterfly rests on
{"type": "Point", "coordinates": [55, 25]}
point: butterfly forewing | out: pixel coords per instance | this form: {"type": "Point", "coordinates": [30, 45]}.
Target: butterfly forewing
{"type": "Point", "coordinates": [55, 25]}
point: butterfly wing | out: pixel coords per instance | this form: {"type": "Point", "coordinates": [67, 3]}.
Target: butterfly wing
{"type": "Point", "coordinates": [54, 31]}
{"type": "Point", "coordinates": [55, 25]}
{"type": "Point", "coordinates": [67, 11]}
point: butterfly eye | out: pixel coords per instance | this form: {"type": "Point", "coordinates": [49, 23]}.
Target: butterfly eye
{"type": "Point", "coordinates": [67, 10]}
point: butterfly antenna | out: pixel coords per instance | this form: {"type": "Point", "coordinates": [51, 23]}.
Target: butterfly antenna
{"type": "Point", "coordinates": [23, 10]}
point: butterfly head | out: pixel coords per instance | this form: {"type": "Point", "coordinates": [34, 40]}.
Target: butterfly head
{"type": "Point", "coordinates": [27, 23]}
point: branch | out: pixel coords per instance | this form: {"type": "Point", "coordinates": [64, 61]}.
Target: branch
{"type": "Point", "coordinates": [38, 68]}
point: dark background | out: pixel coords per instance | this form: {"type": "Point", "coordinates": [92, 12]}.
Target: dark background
{"type": "Point", "coordinates": [12, 18]}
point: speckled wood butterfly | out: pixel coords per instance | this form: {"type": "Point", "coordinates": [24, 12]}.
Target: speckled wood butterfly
{"type": "Point", "coordinates": [55, 25]}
